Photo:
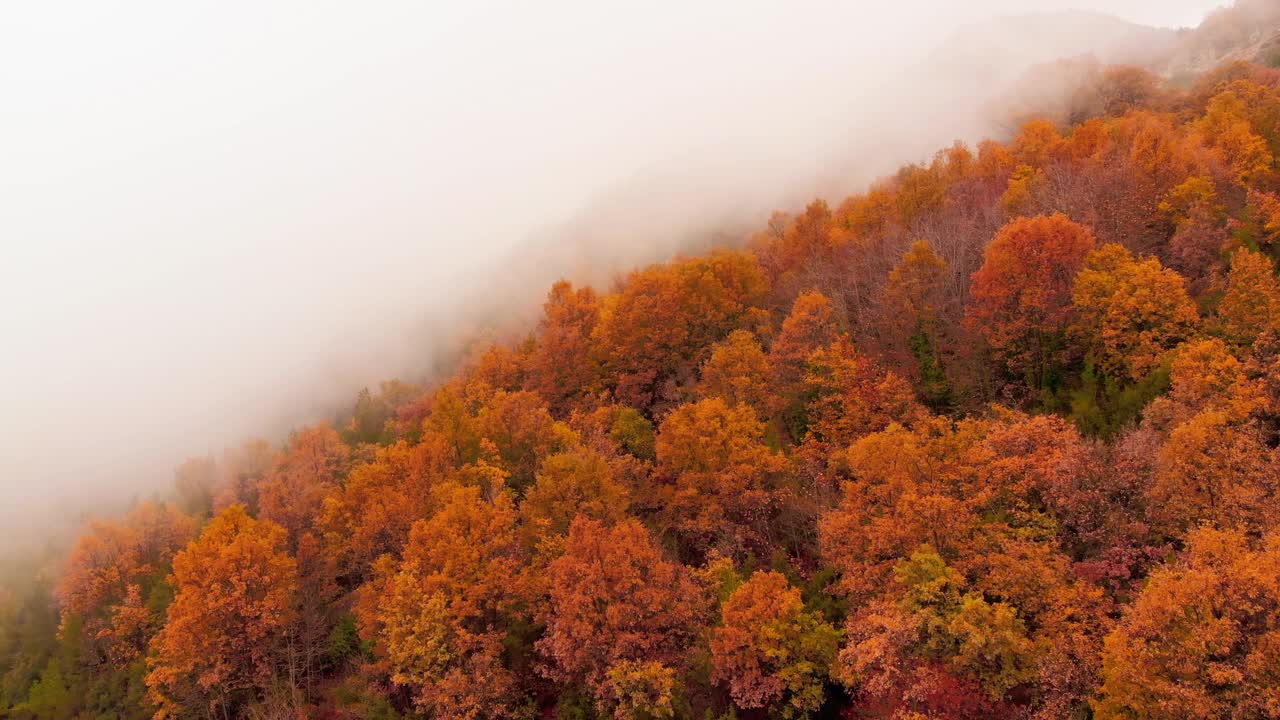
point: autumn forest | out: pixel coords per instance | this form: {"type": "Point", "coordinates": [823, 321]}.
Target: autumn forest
{"type": "Point", "coordinates": [995, 438]}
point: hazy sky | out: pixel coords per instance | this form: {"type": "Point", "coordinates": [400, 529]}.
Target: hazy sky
{"type": "Point", "coordinates": [219, 217]}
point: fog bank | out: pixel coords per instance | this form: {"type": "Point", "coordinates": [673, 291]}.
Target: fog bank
{"type": "Point", "coordinates": [223, 219]}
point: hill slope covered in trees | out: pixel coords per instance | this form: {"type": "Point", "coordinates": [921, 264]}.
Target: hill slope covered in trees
{"type": "Point", "coordinates": [993, 439]}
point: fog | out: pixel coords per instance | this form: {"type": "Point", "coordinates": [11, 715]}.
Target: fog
{"type": "Point", "coordinates": [223, 219]}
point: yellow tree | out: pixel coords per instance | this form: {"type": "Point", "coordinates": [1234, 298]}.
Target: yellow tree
{"type": "Point", "coordinates": [1202, 641]}
{"type": "Point", "coordinates": [769, 650]}
{"type": "Point", "coordinates": [739, 373]}
{"type": "Point", "coordinates": [914, 287]}
{"type": "Point", "coordinates": [1214, 470]}
{"type": "Point", "coordinates": [934, 631]}
{"type": "Point", "coordinates": [1205, 375]}
{"type": "Point", "coordinates": [1251, 304]}
{"type": "Point", "coordinates": [725, 483]}
{"type": "Point", "coordinates": [519, 428]}
{"type": "Point", "coordinates": [442, 617]}
{"type": "Point", "coordinates": [905, 489]}
{"type": "Point", "coordinates": [1227, 127]}
{"type": "Point", "coordinates": [574, 483]}
{"type": "Point", "coordinates": [1129, 313]}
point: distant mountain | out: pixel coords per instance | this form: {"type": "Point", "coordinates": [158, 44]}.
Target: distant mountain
{"type": "Point", "coordinates": [1006, 45]}
{"type": "Point", "coordinates": [1248, 30]}
{"type": "Point", "coordinates": [1066, 86]}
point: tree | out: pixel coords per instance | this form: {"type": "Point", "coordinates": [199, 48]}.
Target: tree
{"type": "Point", "coordinates": [1036, 143]}
{"type": "Point", "coordinates": [1021, 296]}
{"type": "Point", "coordinates": [368, 418]}
{"type": "Point", "coordinates": [1195, 250]}
{"type": "Point", "coordinates": [370, 415]}
{"type": "Point", "coordinates": [1196, 197]}
{"type": "Point", "coordinates": [1226, 126]}
{"type": "Point", "coordinates": [1114, 92]}
{"type": "Point", "coordinates": [519, 428]}
{"type": "Point", "coordinates": [1264, 211]}
{"type": "Point", "coordinates": [942, 544]}
{"type": "Point", "coordinates": [1097, 496]}
{"type": "Point", "coordinates": [913, 287]}
{"type": "Point", "coordinates": [913, 308]}
{"type": "Point", "coordinates": [110, 567]}
{"type": "Point", "coordinates": [226, 635]}
{"type": "Point", "coordinates": [381, 500]}
{"type": "Point", "coordinates": [808, 251]}
{"type": "Point", "coordinates": [443, 617]}
{"type": "Point", "coordinates": [661, 324]}
{"type": "Point", "coordinates": [50, 697]}
{"type": "Point", "coordinates": [1023, 464]}
{"type": "Point", "coordinates": [904, 489]}
{"type": "Point", "coordinates": [739, 373]}
{"type": "Point", "coordinates": [632, 431]}
{"type": "Point", "coordinates": [637, 689]}
{"type": "Point", "coordinates": [501, 367]}
{"type": "Point", "coordinates": [316, 609]}
{"type": "Point", "coordinates": [1205, 375]}
{"type": "Point", "coordinates": [562, 366]}
{"type": "Point", "coordinates": [243, 468]}
{"type": "Point", "coordinates": [195, 482]}
{"type": "Point", "coordinates": [1128, 313]}
{"type": "Point", "coordinates": [850, 396]}
{"type": "Point", "coordinates": [571, 484]}
{"type": "Point", "coordinates": [1251, 304]}
{"type": "Point", "coordinates": [1158, 154]}
{"type": "Point", "coordinates": [615, 601]}
{"type": "Point", "coordinates": [1200, 641]}
{"type": "Point", "coordinates": [937, 632]}
{"type": "Point", "coordinates": [769, 650]}
{"type": "Point", "coordinates": [809, 326]}
{"type": "Point", "coordinates": [1214, 470]}
{"type": "Point", "coordinates": [725, 483]}
{"type": "Point", "coordinates": [309, 469]}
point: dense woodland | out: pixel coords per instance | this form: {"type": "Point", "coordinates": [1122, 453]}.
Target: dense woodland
{"type": "Point", "coordinates": [994, 439]}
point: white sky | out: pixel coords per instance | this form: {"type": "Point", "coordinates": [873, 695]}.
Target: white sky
{"type": "Point", "coordinates": [215, 216]}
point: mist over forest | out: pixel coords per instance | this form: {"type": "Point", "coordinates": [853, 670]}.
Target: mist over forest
{"type": "Point", "coordinates": [497, 361]}
{"type": "Point", "coordinates": [223, 223]}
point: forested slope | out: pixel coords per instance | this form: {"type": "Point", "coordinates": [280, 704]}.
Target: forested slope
{"type": "Point", "coordinates": [993, 439]}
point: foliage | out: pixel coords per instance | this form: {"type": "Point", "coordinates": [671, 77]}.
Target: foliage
{"type": "Point", "coordinates": [771, 651]}
{"type": "Point", "coordinates": [995, 438]}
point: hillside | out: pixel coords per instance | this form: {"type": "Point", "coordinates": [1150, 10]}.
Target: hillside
{"type": "Point", "coordinates": [1244, 31]}
{"type": "Point", "coordinates": [995, 438]}
{"type": "Point", "coordinates": [1032, 38]}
